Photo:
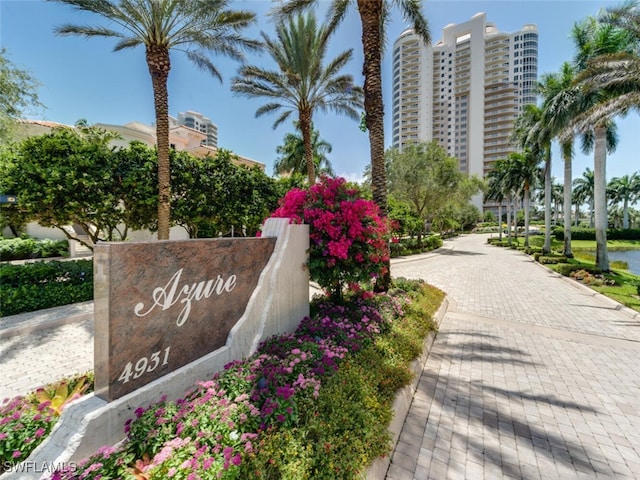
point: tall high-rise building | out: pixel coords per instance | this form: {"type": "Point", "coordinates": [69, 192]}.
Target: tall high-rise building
{"type": "Point", "coordinates": [199, 122]}
{"type": "Point", "coordinates": [465, 90]}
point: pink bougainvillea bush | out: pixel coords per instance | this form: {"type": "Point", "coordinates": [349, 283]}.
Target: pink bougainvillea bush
{"type": "Point", "coordinates": [348, 236]}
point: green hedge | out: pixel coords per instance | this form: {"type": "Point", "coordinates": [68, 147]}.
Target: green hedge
{"type": "Point", "coordinates": [582, 233]}
{"type": "Point", "coordinates": [551, 259]}
{"type": "Point", "coordinates": [26, 248]}
{"type": "Point", "coordinates": [38, 285]}
{"type": "Point", "coordinates": [411, 246]}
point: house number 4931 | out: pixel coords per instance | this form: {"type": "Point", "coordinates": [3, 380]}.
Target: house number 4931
{"type": "Point", "coordinates": [144, 365]}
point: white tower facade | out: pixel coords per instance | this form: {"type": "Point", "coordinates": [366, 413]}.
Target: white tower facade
{"type": "Point", "coordinates": [465, 91]}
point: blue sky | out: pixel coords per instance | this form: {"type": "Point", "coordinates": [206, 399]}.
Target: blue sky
{"type": "Point", "coordinates": [85, 79]}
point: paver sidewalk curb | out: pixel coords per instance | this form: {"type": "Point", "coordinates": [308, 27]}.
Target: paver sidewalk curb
{"type": "Point", "coordinates": [404, 397]}
{"type": "Point", "coordinates": [631, 313]}
{"type": "Point", "coordinates": [29, 322]}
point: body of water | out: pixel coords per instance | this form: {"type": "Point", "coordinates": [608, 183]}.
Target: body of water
{"type": "Point", "coordinates": [632, 257]}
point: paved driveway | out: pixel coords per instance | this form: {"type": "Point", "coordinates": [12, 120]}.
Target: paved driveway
{"type": "Point", "coordinates": [531, 376]}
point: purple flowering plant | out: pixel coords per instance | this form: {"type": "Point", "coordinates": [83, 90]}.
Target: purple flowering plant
{"type": "Point", "coordinates": [25, 421]}
{"type": "Point", "coordinates": [22, 427]}
{"type": "Point", "coordinates": [209, 432]}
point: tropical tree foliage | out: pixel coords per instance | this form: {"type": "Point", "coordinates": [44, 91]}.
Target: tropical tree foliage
{"type": "Point", "coordinates": [514, 178]}
{"type": "Point", "coordinates": [404, 221]}
{"type": "Point", "coordinates": [625, 189]}
{"type": "Point", "coordinates": [200, 28]}
{"type": "Point", "coordinates": [497, 190]}
{"type": "Point", "coordinates": [560, 100]}
{"type": "Point", "coordinates": [424, 176]}
{"type": "Point", "coordinates": [66, 178]}
{"type": "Point", "coordinates": [374, 14]}
{"type": "Point", "coordinates": [291, 160]}
{"type": "Point", "coordinates": [72, 177]}
{"type": "Point", "coordinates": [583, 191]}
{"type": "Point", "coordinates": [303, 82]}
{"type": "Point", "coordinates": [18, 92]}
{"type": "Point", "coordinates": [214, 197]}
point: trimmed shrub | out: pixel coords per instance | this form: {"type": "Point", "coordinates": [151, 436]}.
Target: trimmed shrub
{"type": "Point", "coordinates": [552, 259]}
{"type": "Point", "coordinates": [38, 285]}
{"type": "Point", "coordinates": [567, 269]}
{"type": "Point", "coordinates": [26, 248]}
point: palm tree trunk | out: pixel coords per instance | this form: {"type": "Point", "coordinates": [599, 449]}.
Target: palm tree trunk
{"type": "Point", "coordinates": [371, 15]}
{"type": "Point", "coordinates": [159, 66]}
{"type": "Point", "coordinates": [566, 153]}
{"type": "Point", "coordinates": [547, 202]}
{"type": "Point", "coordinates": [509, 220]}
{"type": "Point", "coordinates": [625, 214]}
{"type": "Point", "coordinates": [500, 219]}
{"type": "Point", "coordinates": [305, 129]}
{"type": "Point", "coordinates": [600, 197]}
{"type": "Point", "coordinates": [526, 215]}
{"type": "Point", "coordinates": [372, 18]}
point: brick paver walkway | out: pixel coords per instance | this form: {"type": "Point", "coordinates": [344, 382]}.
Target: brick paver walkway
{"type": "Point", "coordinates": [38, 349]}
{"type": "Point", "coordinates": [531, 376]}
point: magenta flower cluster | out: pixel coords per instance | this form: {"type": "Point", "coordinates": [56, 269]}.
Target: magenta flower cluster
{"type": "Point", "coordinates": [347, 233]}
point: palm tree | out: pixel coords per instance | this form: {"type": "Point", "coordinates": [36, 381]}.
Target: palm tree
{"type": "Point", "coordinates": [292, 160]}
{"type": "Point", "coordinates": [593, 39]}
{"type": "Point", "coordinates": [197, 27]}
{"type": "Point", "coordinates": [560, 99]}
{"type": "Point", "coordinates": [374, 15]}
{"type": "Point", "coordinates": [532, 133]}
{"type": "Point", "coordinates": [303, 83]}
{"type": "Point", "coordinates": [625, 189]}
{"type": "Point", "coordinates": [583, 189]}
{"type": "Point", "coordinates": [497, 190]}
{"type": "Point", "coordinates": [557, 198]}
{"type": "Point", "coordinates": [523, 173]}
{"type": "Point", "coordinates": [514, 178]}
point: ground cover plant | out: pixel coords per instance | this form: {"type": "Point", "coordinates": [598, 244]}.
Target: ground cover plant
{"type": "Point", "coordinates": [26, 421]}
{"type": "Point", "coordinates": [312, 404]}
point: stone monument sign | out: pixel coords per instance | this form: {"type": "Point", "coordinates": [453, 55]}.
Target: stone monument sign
{"type": "Point", "coordinates": [161, 305]}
